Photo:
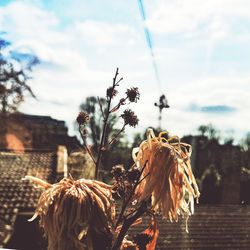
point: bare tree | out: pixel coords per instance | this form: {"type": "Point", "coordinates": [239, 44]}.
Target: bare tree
{"type": "Point", "coordinates": [15, 69]}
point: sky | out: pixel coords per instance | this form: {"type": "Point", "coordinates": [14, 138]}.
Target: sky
{"type": "Point", "coordinates": [202, 51]}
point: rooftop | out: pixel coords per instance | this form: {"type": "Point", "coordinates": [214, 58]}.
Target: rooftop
{"type": "Point", "coordinates": [17, 195]}
{"type": "Point", "coordinates": [211, 227]}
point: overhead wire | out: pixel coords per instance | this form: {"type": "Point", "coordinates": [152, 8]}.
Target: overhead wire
{"type": "Point", "coordinates": [150, 44]}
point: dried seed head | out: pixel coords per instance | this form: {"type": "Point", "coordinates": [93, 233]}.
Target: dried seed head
{"type": "Point", "coordinates": [133, 94]}
{"type": "Point", "coordinates": [122, 101]}
{"type": "Point", "coordinates": [118, 171]}
{"type": "Point", "coordinates": [111, 92]}
{"type": "Point", "coordinates": [163, 103]}
{"type": "Point", "coordinates": [133, 174]}
{"type": "Point", "coordinates": [130, 118]}
{"type": "Point", "coordinates": [82, 118]}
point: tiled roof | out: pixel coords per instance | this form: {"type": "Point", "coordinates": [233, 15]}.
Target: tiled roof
{"type": "Point", "coordinates": [211, 227]}
{"type": "Point", "coordinates": [6, 231]}
{"type": "Point", "coordinates": [17, 195]}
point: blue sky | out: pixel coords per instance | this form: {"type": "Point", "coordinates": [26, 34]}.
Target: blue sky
{"type": "Point", "coordinates": [202, 49]}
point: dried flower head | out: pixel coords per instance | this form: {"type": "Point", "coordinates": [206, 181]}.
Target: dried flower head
{"type": "Point", "coordinates": [82, 118]}
{"type": "Point", "coordinates": [72, 210]}
{"type": "Point", "coordinates": [133, 94]}
{"type": "Point", "coordinates": [130, 118]}
{"type": "Point", "coordinates": [170, 182]}
{"type": "Point", "coordinates": [163, 103]}
{"type": "Point", "coordinates": [117, 171]}
{"type": "Point", "coordinates": [111, 92]}
{"type": "Point", "coordinates": [133, 174]}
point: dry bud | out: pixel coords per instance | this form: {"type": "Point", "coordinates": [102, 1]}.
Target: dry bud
{"type": "Point", "coordinates": [130, 118]}
{"type": "Point", "coordinates": [133, 94]}
{"type": "Point", "coordinates": [82, 118]}
{"type": "Point", "coordinates": [133, 174]}
{"type": "Point", "coordinates": [111, 92]}
{"type": "Point", "coordinates": [117, 171]}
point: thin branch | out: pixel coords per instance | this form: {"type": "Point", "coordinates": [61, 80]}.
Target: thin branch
{"type": "Point", "coordinates": [117, 106]}
{"type": "Point", "coordinates": [144, 178]}
{"type": "Point", "coordinates": [99, 156]}
{"type": "Point", "coordinates": [127, 223]}
{"type": "Point", "coordinates": [117, 83]}
{"type": "Point", "coordinates": [126, 202]}
{"type": "Point", "coordinates": [99, 101]}
{"type": "Point", "coordinates": [115, 137]}
{"type": "Point", "coordinates": [86, 145]}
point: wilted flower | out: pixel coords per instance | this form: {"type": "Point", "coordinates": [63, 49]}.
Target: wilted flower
{"type": "Point", "coordinates": [70, 210]}
{"type": "Point", "coordinates": [170, 183]}
{"type": "Point", "coordinates": [130, 118]}
{"type": "Point", "coordinates": [111, 92]}
{"type": "Point", "coordinates": [82, 118]}
{"type": "Point", "coordinates": [133, 94]}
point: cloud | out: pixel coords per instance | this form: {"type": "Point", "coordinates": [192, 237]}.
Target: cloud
{"type": "Point", "coordinates": [71, 66]}
{"type": "Point", "coordinates": [230, 93]}
{"type": "Point", "coordinates": [105, 33]}
{"type": "Point", "coordinates": [169, 17]}
{"type": "Point", "coordinates": [193, 39]}
{"type": "Point", "coordinates": [213, 109]}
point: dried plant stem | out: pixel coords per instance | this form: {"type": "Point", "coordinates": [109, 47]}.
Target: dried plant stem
{"type": "Point", "coordinates": [86, 145]}
{"type": "Point", "coordinates": [100, 105]}
{"type": "Point", "coordinates": [100, 150]}
{"type": "Point", "coordinates": [127, 223]}
{"type": "Point", "coordinates": [125, 202]}
{"type": "Point", "coordinates": [117, 106]}
{"type": "Point", "coordinates": [116, 135]}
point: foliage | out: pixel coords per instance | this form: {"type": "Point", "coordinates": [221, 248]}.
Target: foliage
{"type": "Point", "coordinates": [210, 131]}
{"type": "Point", "coordinates": [15, 69]}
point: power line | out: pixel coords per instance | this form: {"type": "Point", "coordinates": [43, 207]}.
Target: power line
{"type": "Point", "coordinates": [150, 44]}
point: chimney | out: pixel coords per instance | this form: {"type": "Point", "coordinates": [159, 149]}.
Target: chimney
{"type": "Point", "coordinates": [62, 158]}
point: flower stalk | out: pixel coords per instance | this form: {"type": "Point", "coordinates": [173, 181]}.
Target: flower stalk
{"type": "Point", "coordinates": [106, 117]}
{"type": "Point", "coordinates": [128, 116]}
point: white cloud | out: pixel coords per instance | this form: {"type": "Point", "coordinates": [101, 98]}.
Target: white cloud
{"type": "Point", "coordinates": [65, 75]}
{"type": "Point", "coordinates": [80, 59]}
{"type": "Point", "coordinates": [104, 33]}
{"type": "Point", "coordinates": [209, 92]}
{"type": "Point", "coordinates": [208, 21]}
